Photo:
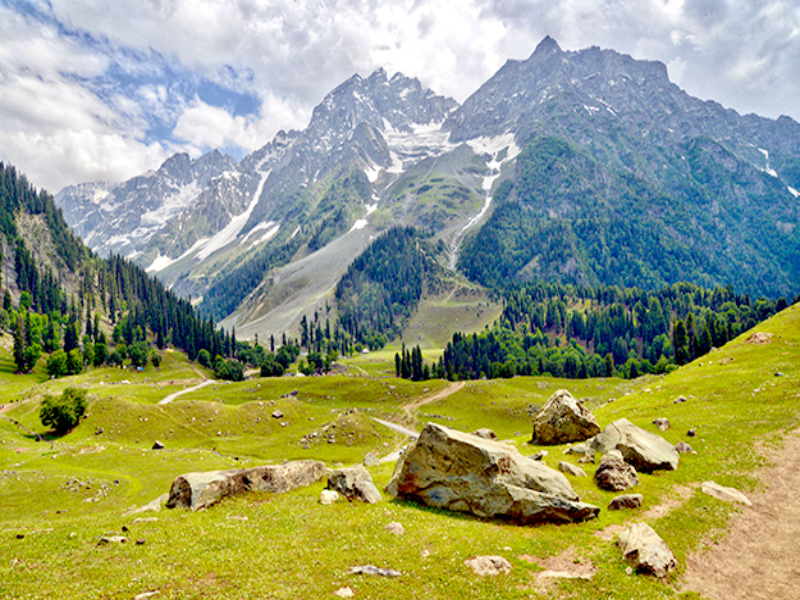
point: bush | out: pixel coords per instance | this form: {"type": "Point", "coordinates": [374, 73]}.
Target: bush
{"type": "Point", "coordinates": [155, 358]}
{"type": "Point", "coordinates": [63, 412]}
{"type": "Point", "coordinates": [57, 364]}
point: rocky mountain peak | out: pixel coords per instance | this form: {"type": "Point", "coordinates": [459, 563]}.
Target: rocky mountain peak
{"type": "Point", "coordinates": [546, 47]}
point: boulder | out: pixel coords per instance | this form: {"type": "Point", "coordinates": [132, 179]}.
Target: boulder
{"type": "Point", "coordinates": [277, 414]}
{"type": "Point", "coordinates": [662, 423]}
{"type": "Point", "coordinates": [539, 455]}
{"type": "Point", "coordinates": [112, 539]}
{"type": "Point", "coordinates": [203, 489]}
{"type": "Point", "coordinates": [445, 468]}
{"type": "Point", "coordinates": [570, 469]}
{"type": "Point", "coordinates": [726, 494]}
{"type": "Point", "coordinates": [626, 501]}
{"type": "Point", "coordinates": [486, 434]}
{"type": "Point", "coordinates": [645, 551]}
{"type": "Point", "coordinates": [157, 445]}
{"type": "Point", "coordinates": [644, 450]}
{"type": "Point", "coordinates": [684, 448]}
{"type": "Point", "coordinates": [614, 474]}
{"type": "Point", "coordinates": [152, 506]}
{"type": "Point", "coordinates": [373, 570]}
{"type": "Point", "coordinates": [563, 419]}
{"type": "Point", "coordinates": [488, 566]}
{"type": "Point", "coordinates": [395, 528]}
{"type": "Point", "coordinates": [372, 459]}
{"type": "Point", "coordinates": [354, 483]}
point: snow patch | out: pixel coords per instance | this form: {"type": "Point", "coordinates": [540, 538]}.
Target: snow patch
{"type": "Point", "coordinates": [267, 236]}
{"type": "Point", "coordinates": [372, 172]}
{"type": "Point", "coordinates": [359, 224]}
{"type": "Point", "coordinates": [257, 228]}
{"type": "Point", "coordinates": [425, 140]}
{"type": "Point", "coordinates": [162, 262]}
{"type": "Point", "coordinates": [794, 192]}
{"type": "Point", "coordinates": [767, 169]}
{"type": "Point", "coordinates": [591, 109]}
{"type": "Point", "coordinates": [232, 229]}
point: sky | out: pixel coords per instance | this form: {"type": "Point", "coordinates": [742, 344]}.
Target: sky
{"type": "Point", "coordinates": [98, 90]}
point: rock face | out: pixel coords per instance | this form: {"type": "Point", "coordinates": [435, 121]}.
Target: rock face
{"type": "Point", "coordinates": [626, 501]}
{"type": "Point", "coordinates": [354, 483]}
{"type": "Point", "coordinates": [645, 551]}
{"type": "Point", "coordinates": [644, 450]}
{"type": "Point", "coordinates": [614, 474]}
{"type": "Point", "coordinates": [449, 469]}
{"type": "Point", "coordinates": [726, 494]}
{"type": "Point", "coordinates": [488, 566]}
{"type": "Point", "coordinates": [203, 489]}
{"type": "Point", "coordinates": [563, 419]}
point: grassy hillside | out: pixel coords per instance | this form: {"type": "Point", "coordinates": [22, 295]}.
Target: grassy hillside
{"type": "Point", "coordinates": [63, 494]}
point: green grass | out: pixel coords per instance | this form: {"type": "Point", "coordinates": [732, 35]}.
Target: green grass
{"type": "Point", "coordinates": [290, 546]}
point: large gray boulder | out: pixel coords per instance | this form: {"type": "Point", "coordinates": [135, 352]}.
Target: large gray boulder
{"type": "Point", "coordinates": [354, 483]}
{"type": "Point", "coordinates": [645, 551]}
{"type": "Point", "coordinates": [644, 450]}
{"type": "Point", "coordinates": [563, 419]}
{"type": "Point", "coordinates": [614, 474]}
{"type": "Point", "coordinates": [449, 469]}
{"type": "Point", "coordinates": [203, 489]}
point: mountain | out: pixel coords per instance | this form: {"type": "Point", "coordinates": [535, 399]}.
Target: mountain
{"type": "Point", "coordinates": [585, 167]}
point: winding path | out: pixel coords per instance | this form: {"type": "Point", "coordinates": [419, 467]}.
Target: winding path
{"type": "Point", "coordinates": [409, 409]}
{"type": "Point", "coordinates": [172, 397]}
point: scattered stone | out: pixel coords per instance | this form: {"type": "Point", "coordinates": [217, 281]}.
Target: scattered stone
{"type": "Point", "coordinates": [779, 374]}
{"type": "Point", "coordinates": [145, 520]}
{"type": "Point", "coordinates": [691, 433]}
{"type": "Point", "coordinates": [145, 595]}
{"type": "Point", "coordinates": [726, 494]}
{"type": "Point", "coordinates": [570, 469]}
{"type": "Point", "coordinates": [539, 455]}
{"type": "Point", "coordinates": [354, 483]}
{"type": "Point", "coordinates": [157, 445]}
{"type": "Point", "coordinates": [372, 570]}
{"type": "Point", "coordinates": [684, 448]}
{"type": "Point", "coordinates": [488, 566]}
{"type": "Point", "coordinates": [662, 423]}
{"type": "Point", "coordinates": [328, 497]}
{"type": "Point", "coordinates": [125, 529]}
{"type": "Point", "coordinates": [679, 399]}
{"type": "Point", "coordinates": [20, 536]}
{"type": "Point", "coordinates": [563, 419]}
{"type": "Point", "coordinates": [278, 414]}
{"type": "Point", "coordinates": [614, 473]}
{"type": "Point", "coordinates": [759, 338]}
{"type": "Point", "coordinates": [140, 542]}
{"type": "Point", "coordinates": [152, 506]}
{"type": "Point", "coordinates": [645, 551]}
{"type": "Point", "coordinates": [112, 539]}
{"type": "Point", "coordinates": [344, 592]}
{"type": "Point", "coordinates": [445, 468]}
{"type": "Point", "coordinates": [203, 489]}
{"type": "Point", "coordinates": [626, 501]}
{"type": "Point", "coordinates": [578, 449]}
{"type": "Point", "coordinates": [425, 553]}
{"type": "Point", "coordinates": [486, 434]}
{"type": "Point", "coordinates": [395, 527]}
{"type": "Point", "coordinates": [588, 459]}
{"type": "Point", "coordinates": [372, 459]}
{"type": "Point", "coordinates": [644, 450]}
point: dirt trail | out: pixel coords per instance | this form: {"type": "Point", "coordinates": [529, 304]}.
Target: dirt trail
{"type": "Point", "coordinates": [757, 559]}
{"type": "Point", "coordinates": [172, 397]}
{"type": "Point", "coordinates": [410, 409]}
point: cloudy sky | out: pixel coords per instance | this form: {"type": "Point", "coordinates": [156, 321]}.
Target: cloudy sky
{"type": "Point", "coordinates": [92, 89]}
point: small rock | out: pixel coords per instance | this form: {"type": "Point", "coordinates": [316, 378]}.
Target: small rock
{"type": "Point", "coordinates": [662, 423]}
{"type": "Point", "coordinates": [691, 433]}
{"type": "Point", "coordinates": [20, 536]}
{"type": "Point", "coordinates": [145, 520]}
{"type": "Point", "coordinates": [112, 539]}
{"type": "Point", "coordinates": [372, 570]}
{"type": "Point", "coordinates": [157, 445]}
{"type": "Point", "coordinates": [425, 553]}
{"type": "Point", "coordinates": [72, 535]}
{"type": "Point", "coordinates": [488, 566]}
{"type": "Point", "coordinates": [344, 592]}
{"type": "Point", "coordinates": [679, 399]}
{"type": "Point", "coordinates": [145, 595]}
{"type": "Point", "coordinates": [140, 542]}
{"type": "Point", "coordinates": [395, 527]}
{"type": "Point", "coordinates": [570, 469]}
{"type": "Point", "coordinates": [726, 494]}
{"type": "Point", "coordinates": [328, 496]}
{"type": "Point", "coordinates": [125, 528]}
{"type": "Point", "coordinates": [626, 501]}
{"type": "Point", "coordinates": [684, 448]}
{"type": "Point", "coordinates": [354, 483]}
{"type": "Point", "coordinates": [539, 455]}
{"type": "Point", "coordinates": [778, 374]}
{"type": "Point", "coordinates": [486, 434]}
{"type": "Point", "coordinates": [614, 473]}
{"type": "Point", "coordinates": [278, 414]}
{"type": "Point", "coordinates": [578, 449]}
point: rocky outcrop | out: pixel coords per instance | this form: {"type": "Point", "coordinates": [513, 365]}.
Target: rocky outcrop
{"type": "Point", "coordinates": [614, 474]}
{"type": "Point", "coordinates": [645, 551]}
{"type": "Point", "coordinates": [644, 450]}
{"type": "Point", "coordinates": [354, 483]}
{"type": "Point", "coordinates": [449, 469]}
{"type": "Point", "coordinates": [203, 489]}
{"type": "Point", "coordinates": [563, 419]}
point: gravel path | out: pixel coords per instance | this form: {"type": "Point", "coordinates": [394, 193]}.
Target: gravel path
{"type": "Point", "coordinates": [172, 397]}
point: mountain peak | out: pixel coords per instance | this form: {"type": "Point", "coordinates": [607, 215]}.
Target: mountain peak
{"type": "Point", "coordinates": [547, 47]}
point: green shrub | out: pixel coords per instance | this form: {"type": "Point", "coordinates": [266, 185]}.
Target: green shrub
{"type": "Point", "coordinates": [63, 412]}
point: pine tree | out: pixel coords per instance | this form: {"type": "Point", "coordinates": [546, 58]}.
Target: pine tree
{"type": "Point", "coordinates": [19, 344]}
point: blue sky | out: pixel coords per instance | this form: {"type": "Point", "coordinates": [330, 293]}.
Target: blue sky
{"type": "Point", "coordinates": [92, 89]}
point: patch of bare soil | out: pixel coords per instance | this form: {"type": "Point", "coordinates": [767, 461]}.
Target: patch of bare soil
{"type": "Point", "coordinates": [610, 532]}
{"type": "Point", "coordinates": [681, 494]}
{"type": "Point", "coordinates": [566, 565]}
{"type": "Point", "coordinates": [757, 560]}
{"type": "Point", "coordinates": [759, 338]}
{"type": "Point", "coordinates": [410, 409]}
